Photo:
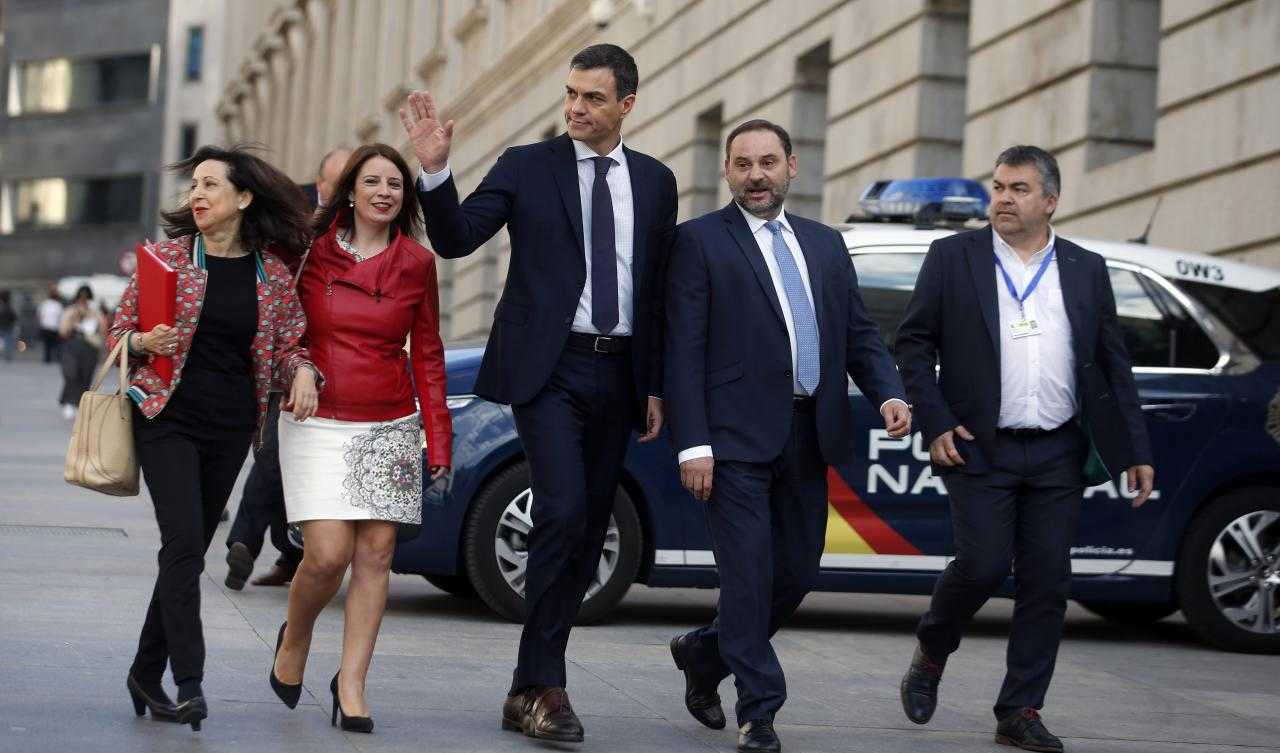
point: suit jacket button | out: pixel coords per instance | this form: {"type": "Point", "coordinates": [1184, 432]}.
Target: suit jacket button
{"type": "Point", "coordinates": [788, 375]}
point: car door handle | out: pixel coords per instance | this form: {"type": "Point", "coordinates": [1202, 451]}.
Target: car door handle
{"type": "Point", "coordinates": [1171, 411]}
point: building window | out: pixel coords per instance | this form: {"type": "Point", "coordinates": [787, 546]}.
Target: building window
{"type": "Point", "coordinates": [195, 53]}
{"type": "Point", "coordinates": [187, 140]}
{"type": "Point", "coordinates": [62, 84]}
{"type": "Point", "coordinates": [40, 203]}
{"type": "Point", "coordinates": [707, 160]}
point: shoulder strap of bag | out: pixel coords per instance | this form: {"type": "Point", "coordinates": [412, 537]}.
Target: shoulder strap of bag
{"type": "Point", "coordinates": [123, 352]}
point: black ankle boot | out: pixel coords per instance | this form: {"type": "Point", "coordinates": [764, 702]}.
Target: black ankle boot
{"type": "Point", "coordinates": [151, 697]}
{"type": "Point", "coordinates": [191, 708]}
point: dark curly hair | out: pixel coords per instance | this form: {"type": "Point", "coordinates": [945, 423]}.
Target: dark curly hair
{"type": "Point", "coordinates": [408, 221]}
{"type": "Point", "coordinates": [278, 218]}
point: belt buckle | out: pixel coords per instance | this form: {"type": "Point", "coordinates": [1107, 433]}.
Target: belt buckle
{"type": "Point", "coordinates": [595, 344]}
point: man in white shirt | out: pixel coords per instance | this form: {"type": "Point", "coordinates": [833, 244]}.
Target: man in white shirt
{"type": "Point", "coordinates": [49, 314]}
{"type": "Point", "coordinates": [576, 343]}
{"type": "Point", "coordinates": [1017, 371]}
{"type": "Point", "coordinates": [765, 325]}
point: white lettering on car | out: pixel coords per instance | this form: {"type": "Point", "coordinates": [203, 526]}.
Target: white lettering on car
{"type": "Point", "coordinates": [897, 478]}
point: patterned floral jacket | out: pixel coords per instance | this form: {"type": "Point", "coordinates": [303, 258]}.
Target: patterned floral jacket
{"type": "Point", "coordinates": [277, 352]}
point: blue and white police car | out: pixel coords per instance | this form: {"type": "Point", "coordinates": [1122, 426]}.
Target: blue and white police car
{"type": "Point", "coordinates": [1204, 337]}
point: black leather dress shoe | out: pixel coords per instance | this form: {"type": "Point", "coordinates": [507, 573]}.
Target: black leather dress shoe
{"type": "Point", "coordinates": [701, 699]}
{"type": "Point", "coordinates": [757, 736]}
{"type": "Point", "coordinates": [919, 688]}
{"type": "Point", "coordinates": [1023, 729]}
{"type": "Point", "coordinates": [239, 566]}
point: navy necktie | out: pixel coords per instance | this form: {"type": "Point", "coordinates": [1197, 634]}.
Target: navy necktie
{"type": "Point", "coordinates": [604, 264]}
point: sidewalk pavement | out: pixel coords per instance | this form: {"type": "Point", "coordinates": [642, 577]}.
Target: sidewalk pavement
{"type": "Point", "coordinates": [76, 571]}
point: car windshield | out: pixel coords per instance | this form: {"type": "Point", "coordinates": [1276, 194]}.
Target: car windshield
{"type": "Point", "coordinates": [1254, 317]}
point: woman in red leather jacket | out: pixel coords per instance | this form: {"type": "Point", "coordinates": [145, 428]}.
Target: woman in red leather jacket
{"type": "Point", "coordinates": [353, 471]}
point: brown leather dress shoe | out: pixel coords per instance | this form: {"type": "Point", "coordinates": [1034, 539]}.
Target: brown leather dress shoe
{"type": "Point", "coordinates": [551, 717]}
{"type": "Point", "coordinates": [515, 709]}
{"type": "Point", "coordinates": [276, 576]}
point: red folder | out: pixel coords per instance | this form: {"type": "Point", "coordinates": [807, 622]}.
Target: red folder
{"type": "Point", "coordinates": [157, 300]}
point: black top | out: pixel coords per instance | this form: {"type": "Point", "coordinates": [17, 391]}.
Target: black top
{"type": "Point", "coordinates": [216, 386]}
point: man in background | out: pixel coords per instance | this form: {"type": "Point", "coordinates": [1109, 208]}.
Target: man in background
{"type": "Point", "coordinates": [262, 504]}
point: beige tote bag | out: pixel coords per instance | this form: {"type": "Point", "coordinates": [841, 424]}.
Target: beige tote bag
{"type": "Point", "coordinates": [101, 455]}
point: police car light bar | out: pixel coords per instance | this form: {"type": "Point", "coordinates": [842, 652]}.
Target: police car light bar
{"type": "Point", "coordinates": [925, 200]}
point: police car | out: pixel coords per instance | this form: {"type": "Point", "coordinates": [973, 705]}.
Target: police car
{"type": "Point", "coordinates": [1204, 337]}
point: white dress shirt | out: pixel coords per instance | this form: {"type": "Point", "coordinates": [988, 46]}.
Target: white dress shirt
{"type": "Point", "coordinates": [1037, 373]}
{"type": "Point", "coordinates": [619, 180]}
{"type": "Point", "coordinates": [764, 239]}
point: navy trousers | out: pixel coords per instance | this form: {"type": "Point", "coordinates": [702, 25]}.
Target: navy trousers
{"type": "Point", "coordinates": [262, 503]}
{"type": "Point", "coordinates": [768, 528]}
{"type": "Point", "coordinates": [1023, 512]}
{"type": "Point", "coordinates": [574, 434]}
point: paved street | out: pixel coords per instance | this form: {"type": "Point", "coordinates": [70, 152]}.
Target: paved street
{"type": "Point", "coordinates": [76, 570]}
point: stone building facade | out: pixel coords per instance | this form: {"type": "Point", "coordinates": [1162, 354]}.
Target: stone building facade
{"type": "Point", "coordinates": [1141, 100]}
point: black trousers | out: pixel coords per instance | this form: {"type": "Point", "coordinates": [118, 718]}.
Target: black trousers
{"type": "Point", "coordinates": [574, 434]}
{"type": "Point", "coordinates": [1024, 513]}
{"type": "Point", "coordinates": [768, 529]}
{"type": "Point", "coordinates": [190, 472]}
{"type": "Point", "coordinates": [79, 359]}
{"type": "Point", "coordinates": [52, 345]}
{"type": "Point", "coordinates": [262, 503]}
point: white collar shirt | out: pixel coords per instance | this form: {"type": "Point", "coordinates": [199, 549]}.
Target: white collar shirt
{"type": "Point", "coordinates": [619, 180]}
{"type": "Point", "coordinates": [764, 239]}
{"type": "Point", "coordinates": [1037, 373]}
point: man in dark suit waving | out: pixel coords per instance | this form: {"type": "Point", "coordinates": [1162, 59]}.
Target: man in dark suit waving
{"type": "Point", "coordinates": [1017, 370]}
{"type": "Point", "coordinates": [764, 321]}
{"type": "Point", "coordinates": [576, 343]}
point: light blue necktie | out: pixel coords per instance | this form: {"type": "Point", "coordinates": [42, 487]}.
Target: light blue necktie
{"type": "Point", "coordinates": [802, 318]}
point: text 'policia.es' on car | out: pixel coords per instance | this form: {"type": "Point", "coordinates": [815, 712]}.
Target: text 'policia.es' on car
{"type": "Point", "coordinates": [1204, 336]}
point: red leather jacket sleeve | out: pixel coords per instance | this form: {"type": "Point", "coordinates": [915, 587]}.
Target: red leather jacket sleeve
{"type": "Point", "coordinates": [426, 353]}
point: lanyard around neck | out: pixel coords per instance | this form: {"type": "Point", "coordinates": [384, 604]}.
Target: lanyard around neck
{"type": "Point", "coordinates": [1035, 280]}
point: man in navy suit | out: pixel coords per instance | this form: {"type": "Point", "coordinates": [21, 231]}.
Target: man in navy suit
{"type": "Point", "coordinates": [764, 322]}
{"type": "Point", "coordinates": [576, 343]}
{"type": "Point", "coordinates": [1017, 370]}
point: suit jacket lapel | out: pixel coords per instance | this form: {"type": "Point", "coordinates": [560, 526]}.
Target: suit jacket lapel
{"type": "Point", "coordinates": [565, 169]}
{"type": "Point", "coordinates": [641, 207]}
{"type": "Point", "coordinates": [1071, 277]}
{"type": "Point", "coordinates": [809, 247]}
{"type": "Point", "coordinates": [980, 255]}
{"type": "Point", "coordinates": [737, 227]}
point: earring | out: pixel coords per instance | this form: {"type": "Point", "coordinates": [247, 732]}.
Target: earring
{"type": "Point", "coordinates": [351, 202]}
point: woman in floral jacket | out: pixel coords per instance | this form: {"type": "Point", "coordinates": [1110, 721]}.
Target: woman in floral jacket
{"type": "Point", "coordinates": [237, 329]}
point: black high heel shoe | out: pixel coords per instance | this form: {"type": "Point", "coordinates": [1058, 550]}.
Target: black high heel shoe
{"type": "Point", "coordinates": [349, 723]}
{"type": "Point", "coordinates": [287, 693]}
{"type": "Point", "coordinates": [162, 710]}
{"type": "Point", "coordinates": [192, 711]}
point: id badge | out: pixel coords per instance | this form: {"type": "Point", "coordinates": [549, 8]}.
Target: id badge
{"type": "Point", "coordinates": [1024, 328]}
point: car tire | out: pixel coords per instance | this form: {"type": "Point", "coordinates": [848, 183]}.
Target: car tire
{"type": "Point", "coordinates": [1210, 550]}
{"type": "Point", "coordinates": [508, 492]}
{"type": "Point", "coordinates": [454, 585]}
{"type": "Point", "coordinates": [1129, 614]}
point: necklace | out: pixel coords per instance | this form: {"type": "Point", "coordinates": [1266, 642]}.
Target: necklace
{"type": "Point", "coordinates": [349, 247]}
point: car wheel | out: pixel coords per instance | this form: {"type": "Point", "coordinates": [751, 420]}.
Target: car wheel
{"type": "Point", "coordinates": [1229, 571]}
{"type": "Point", "coordinates": [454, 585]}
{"type": "Point", "coordinates": [495, 548]}
{"type": "Point", "coordinates": [1129, 614]}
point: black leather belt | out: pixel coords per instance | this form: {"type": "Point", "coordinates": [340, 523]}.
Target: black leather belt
{"type": "Point", "coordinates": [1028, 432]}
{"type": "Point", "coordinates": [802, 404]}
{"type": "Point", "coordinates": [599, 343]}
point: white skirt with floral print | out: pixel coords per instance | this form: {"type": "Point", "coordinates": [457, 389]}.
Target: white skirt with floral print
{"type": "Point", "coordinates": [352, 470]}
